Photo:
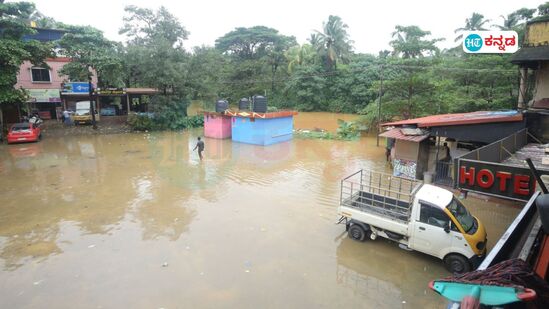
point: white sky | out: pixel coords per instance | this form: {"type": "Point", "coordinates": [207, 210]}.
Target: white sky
{"type": "Point", "coordinates": [370, 22]}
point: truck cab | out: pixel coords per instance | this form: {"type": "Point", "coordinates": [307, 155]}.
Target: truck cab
{"type": "Point", "coordinates": [82, 114]}
{"type": "Point", "coordinates": [418, 216]}
{"type": "Point", "coordinates": [443, 227]}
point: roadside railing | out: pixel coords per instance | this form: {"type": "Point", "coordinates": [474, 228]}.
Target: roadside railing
{"type": "Point", "coordinates": [499, 150]}
{"type": "Point", "coordinates": [444, 173]}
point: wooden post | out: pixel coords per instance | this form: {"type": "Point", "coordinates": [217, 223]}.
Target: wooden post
{"type": "Point", "coordinates": [522, 88]}
{"type": "Point", "coordinates": [437, 142]}
{"type": "Point", "coordinates": [379, 107]}
{"type": "Point", "coordinates": [128, 103]}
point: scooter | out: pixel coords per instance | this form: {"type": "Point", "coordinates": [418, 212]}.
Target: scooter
{"type": "Point", "coordinates": [35, 119]}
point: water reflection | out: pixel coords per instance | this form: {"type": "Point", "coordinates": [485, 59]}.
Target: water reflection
{"type": "Point", "coordinates": [385, 275]}
{"type": "Point", "coordinates": [95, 182]}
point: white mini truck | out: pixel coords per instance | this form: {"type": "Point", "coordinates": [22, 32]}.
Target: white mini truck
{"type": "Point", "coordinates": [418, 216]}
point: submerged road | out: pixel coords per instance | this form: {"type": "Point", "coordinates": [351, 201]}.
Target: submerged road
{"type": "Point", "coordinates": [137, 221]}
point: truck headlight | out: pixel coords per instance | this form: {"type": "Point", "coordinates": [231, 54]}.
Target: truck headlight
{"type": "Point", "coordinates": [480, 245]}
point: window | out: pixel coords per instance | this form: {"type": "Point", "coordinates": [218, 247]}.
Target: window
{"type": "Point", "coordinates": [40, 75]}
{"type": "Point", "coordinates": [434, 216]}
{"type": "Point", "coordinates": [462, 216]}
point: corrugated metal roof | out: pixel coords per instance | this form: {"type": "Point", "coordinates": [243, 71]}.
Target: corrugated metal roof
{"type": "Point", "coordinates": [460, 119]}
{"type": "Point", "coordinates": [398, 134]}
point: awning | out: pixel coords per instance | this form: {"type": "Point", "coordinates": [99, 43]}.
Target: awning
{"type": "Point", "coordinates": [534, 53]}
{"type": "Point", "coordinates": [403, 134]}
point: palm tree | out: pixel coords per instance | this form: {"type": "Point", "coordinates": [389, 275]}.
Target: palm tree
{"type": "Point", "coordinates": [314, 40]}
{"type": "Point", "coordinates": [509, 22]}
{"type": "Point", "coordinates": [335, 41]}
{"type": "Point", "coordinates": [475, 23]}
{"type": "Point", "coordinates": [299, 55]}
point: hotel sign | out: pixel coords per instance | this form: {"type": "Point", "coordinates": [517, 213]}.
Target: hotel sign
{"type": "Point", "coordinates": [510, 182]}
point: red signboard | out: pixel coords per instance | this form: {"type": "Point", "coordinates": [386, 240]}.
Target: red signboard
{"type": "Point", "coordinates": [496, 179]}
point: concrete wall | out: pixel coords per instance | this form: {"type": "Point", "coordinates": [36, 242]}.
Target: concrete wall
{"type": "Point", "coordinates": [406, 150]}
{"type": "Point", "coordinates": [24, 78]}
{"type": "Point", "coordinates": [262, 131]}
{"type": "Point", "coordinates": [217, 126]}
{"type": "Point", "coordinates": [542, 82]}
{"type": "Point", "coordinates": [537, 33]}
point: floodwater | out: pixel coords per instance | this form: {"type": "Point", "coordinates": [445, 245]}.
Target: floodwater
{"type": "Point", "coordinates": [137, 221]}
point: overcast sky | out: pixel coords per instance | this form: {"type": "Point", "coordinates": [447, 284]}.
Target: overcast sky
{"type": "Point", "coordinates": [370, 22]}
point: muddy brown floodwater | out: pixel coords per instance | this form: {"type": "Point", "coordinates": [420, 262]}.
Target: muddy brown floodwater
{"type": "Point", "coordinates": [136, 221]}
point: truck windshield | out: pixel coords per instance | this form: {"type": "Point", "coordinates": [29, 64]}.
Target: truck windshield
{"type": "Point", "coordinates": [462, 215]}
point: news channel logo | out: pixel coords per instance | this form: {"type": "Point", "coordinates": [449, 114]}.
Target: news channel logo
{"type": "Point", "coordinates": [490, 42]}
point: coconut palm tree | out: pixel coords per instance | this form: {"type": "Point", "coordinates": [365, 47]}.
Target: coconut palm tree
{"type": "Point", "coordinates": [300, 55]}
{"type": "Point", "coordinates": [509, 22]}
{"type": "Point", "coordinates": [475, 23]}
{"type": "Point", "coordinates": [314, 40]}
{"type": "Point", "coordinates": [335, 41]}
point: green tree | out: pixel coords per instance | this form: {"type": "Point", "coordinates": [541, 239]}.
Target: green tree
{"type": "Point", "coordinates": [206, 73]}
{"type": "Point", "coordinates": [256, 54]}
{"type": "Point", "coordinates": [474, 23]}
{"type": "Point", "coordinates": [335, 42]}
{"type": "Point", "coordinates": [543, 9]}
{"type": "Point", "coordinates": [154, 57]}
{"type": "Point", "coordinates": [305, 88]}
{"type": "Point", "coordinates": [88, 48]}
{"type": "Point", "coordinates": [411, 42]}
{"type": "Point", "coordinates": [248, 43]}
{"type": "Point", "coordinates": [276, 55]}
{"type": "Point", "coordinates": [515, 20]}
{"type": "Point", "coordinates": [300, 55]}
{"type": "Point", "coordinates": [14, 17]}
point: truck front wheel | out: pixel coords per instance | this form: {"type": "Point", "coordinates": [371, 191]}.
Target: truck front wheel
{"type": "Point", "coordinates": [356, 232]}
{"type": "Point", "coordinates": [457, 264]}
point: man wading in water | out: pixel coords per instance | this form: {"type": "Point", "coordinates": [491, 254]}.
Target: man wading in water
{"type": "Point", "coordinates": [200, 146]}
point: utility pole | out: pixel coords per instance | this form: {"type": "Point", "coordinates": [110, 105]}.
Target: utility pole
{"type": "Point", "coordinates": [379, 106]}
{"type": "Point", "coordinates": [92, 107]}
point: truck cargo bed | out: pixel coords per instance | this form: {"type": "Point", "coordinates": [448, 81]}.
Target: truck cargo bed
{"type": "Point", "coordinates": [379, 194]}
{"type": "Point", "coordinates": [379, 205]}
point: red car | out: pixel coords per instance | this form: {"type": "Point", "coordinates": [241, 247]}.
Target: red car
{"type": "Point", "coordinates": [24, 132]}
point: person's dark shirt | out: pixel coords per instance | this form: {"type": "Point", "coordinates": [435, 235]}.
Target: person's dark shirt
{"type": "Point", "coordinates": [200, 145]}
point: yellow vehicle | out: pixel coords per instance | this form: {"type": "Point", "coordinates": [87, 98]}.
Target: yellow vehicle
{"type": "Point", "coordinates": [418, 216]}
{"type": "Point", "coordinates": [82, 114]}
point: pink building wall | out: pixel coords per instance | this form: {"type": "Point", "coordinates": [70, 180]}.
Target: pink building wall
{"type": "Point", "coordinates": [24, 79]}
{"type": "Point", "coordinates": [217, 126]}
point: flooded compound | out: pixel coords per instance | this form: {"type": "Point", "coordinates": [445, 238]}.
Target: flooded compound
{"type": "Point", "coordinates": [137, 221]}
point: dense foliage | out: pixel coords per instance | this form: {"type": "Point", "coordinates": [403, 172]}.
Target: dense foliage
{"type": "Point", "coordinates": [14, 25]}
{"type": "Point", "coordinates": [415, 78]}
{"type": "Point", "coordinates": [152, 122]}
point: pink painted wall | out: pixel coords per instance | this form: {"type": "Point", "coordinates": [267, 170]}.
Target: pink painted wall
{"type": "Point", "coordinates": [24, 78]}
{"type": "Point", "coordinates": [216, 126]}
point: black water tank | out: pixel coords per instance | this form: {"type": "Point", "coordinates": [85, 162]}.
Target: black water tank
{"type": "Point", "coordinates": [221, 106]}
{"type": "Point", "coordinates": [260, 104]}
{"type": "Point", "coordinates": [244, 104]}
